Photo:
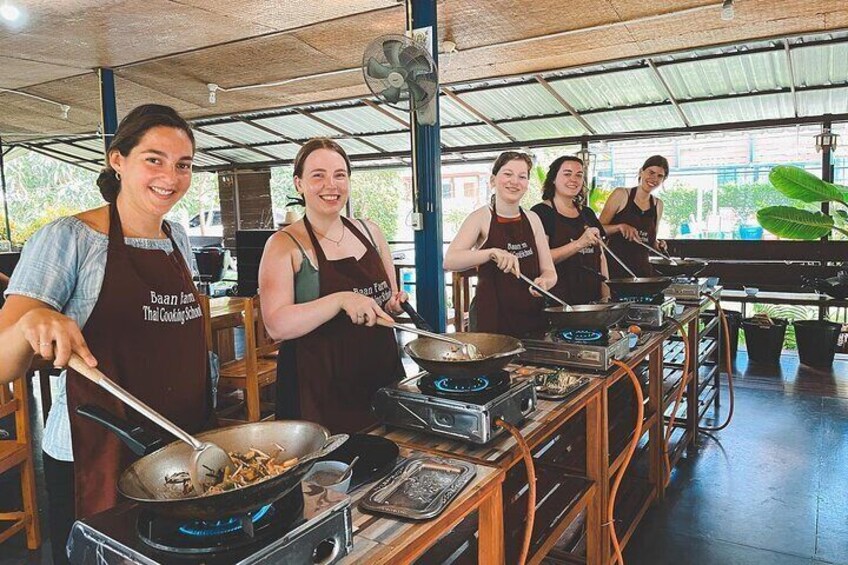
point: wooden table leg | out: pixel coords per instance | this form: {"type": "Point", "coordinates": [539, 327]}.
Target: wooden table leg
{"type": "Point", "coordinates": [491, 529]}
{"type": "Point", "coordinates": [595, 463]}
{"type": "Point", "coordinates": [656, 436]}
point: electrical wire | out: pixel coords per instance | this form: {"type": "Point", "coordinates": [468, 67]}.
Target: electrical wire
{"type": "Point", "coordinates": [631, 449]}
{"type": "Point", "coordinates": [678, 398]}
{"type": "Point", "coordinates": [527, 455]}
{"type": "Point", "coordinates": [728, 366]}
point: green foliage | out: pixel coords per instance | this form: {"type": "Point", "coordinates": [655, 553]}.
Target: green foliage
{"type": "Point", "coordinates": [791, 223]}
{"type": "Point", "coordinates": [798, 184]}
{"type": "Point", "coordinates": [375, 195]}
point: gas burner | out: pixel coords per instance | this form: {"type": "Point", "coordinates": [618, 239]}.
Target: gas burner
{"type": "Point", "coordinates": [583, 337]}
{"type": "Point", "coordinates": [651, 299]}
{"type": "Point", "coordinates": [462, 387]}
{"type": "Point", "coordinates": [212, 536]}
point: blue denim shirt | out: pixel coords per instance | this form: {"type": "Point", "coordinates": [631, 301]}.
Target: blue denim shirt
{"type": "Point", "coordinates": [63, 265]}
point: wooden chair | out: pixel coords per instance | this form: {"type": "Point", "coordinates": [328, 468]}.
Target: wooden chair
{"type": "Point", "coordinates": [462, 295]}
{"type": "Point", "coordinates": [243, 379]}
{"type": "Point", "coordinates": [18, 453]}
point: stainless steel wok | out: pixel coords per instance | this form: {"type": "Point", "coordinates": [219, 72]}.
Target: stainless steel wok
{"type": "Point", "coordinates": [497, 351]}
{"type": "Point", "coordinates": [587, 316]}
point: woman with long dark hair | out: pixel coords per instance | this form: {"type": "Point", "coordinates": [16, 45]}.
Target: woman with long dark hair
{"type": "Point", "coordinates": [503, 241]}
{"type": "Point", "coordinates": [325, 281]}
{"type": "Point", "coordinates": [573, 233]}
{"type": "Point", "coordinates": [113, 285]}
{"type": "Point", "coordinates": [632, 215]}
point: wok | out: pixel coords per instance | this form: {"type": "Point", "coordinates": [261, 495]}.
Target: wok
{"type": "Point", "coordinates": [587, 316]}
{"type": "Point", "coordinates": [497, 350]}
{"type": "Point", "coordinates": [638, 287]}
{"type": "Point", "coordinates": [144, 480]}
{"type": "Point", "coordinates": [680, 267]}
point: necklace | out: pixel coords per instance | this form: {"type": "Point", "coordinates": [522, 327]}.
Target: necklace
{"type": "Point", "coordinates": [336, 241]}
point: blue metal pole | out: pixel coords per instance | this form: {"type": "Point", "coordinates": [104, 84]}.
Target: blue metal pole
{"type": "Point", "coordinates": [108, 105]}
{"type": "Point", "coordinates": [427, 155]}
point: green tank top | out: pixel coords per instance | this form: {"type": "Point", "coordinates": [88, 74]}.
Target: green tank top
{"type": "Point", "coordinates": [307, 286]}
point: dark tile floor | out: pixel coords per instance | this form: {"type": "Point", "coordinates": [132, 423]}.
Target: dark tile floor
{"type": "Point", "coordinates": [768, 490]}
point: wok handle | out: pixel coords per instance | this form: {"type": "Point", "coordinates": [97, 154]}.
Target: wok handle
{"type": "Point", "coordinates": [657, 252]}
{"type": "Point", "coordinates": [140, 441]}
{"type": "Point", "coordinates": [416, 331]}
{"type": "Point", "coordinates": [77, 364]}
{"type": "Point", "coordinates": [620, 262]}
{"type": "Point", "coordinates": [416, 318]}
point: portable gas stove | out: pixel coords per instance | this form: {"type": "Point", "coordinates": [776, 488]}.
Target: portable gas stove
{"type": "Point", "coordinates": [588, 349]}
{"type": "Point", "coordinates": [650, 312]}
{"type": "Point", "coordinates": [459, 408]}
{"type": "Point", "coordinates": [309, 526]}
{"type": "Point", "coordinates": [687, 289]}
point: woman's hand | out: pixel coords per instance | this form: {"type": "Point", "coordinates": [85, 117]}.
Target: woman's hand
{"type": "Point", "coordinates": [54, 336]}
{"type": "Point", "coordinates": [361, 309]}
{"type": "Point", "coordinates": [628, 232]}
{"type": "Point", "coordinates": [543, 282]}
{"type": "Point", "coordinates": [661, 245]}
{"type": "Point", "coordinates": [590, 238]}
{"type": "Point", "coordinates": [506, 261]}
{"type": "Point", "coordinates": [393, 306]}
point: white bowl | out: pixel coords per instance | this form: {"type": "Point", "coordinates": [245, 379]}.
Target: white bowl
{"type": "Point", "coordinates": [751, 291]}
{"type": "Point", "coordinates": [323, 470]}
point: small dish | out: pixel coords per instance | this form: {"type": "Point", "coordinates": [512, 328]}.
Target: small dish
{"type": "Point", "coordinates": [327, 474]}
{"type": "Point", "coordinates": [751, 291]}
{"type": "Point", "coordinates": [559, 385]}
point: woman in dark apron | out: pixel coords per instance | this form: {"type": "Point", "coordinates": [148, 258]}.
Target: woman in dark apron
{"type": "Point", "coordinates": [503, 241]}
{"type": "Point", "coordinates": [573, 233]}
{"type": "Point", "coordinates": [324, 282]}
{"type": "Point", "coordinates": [632, 215]}
{"type": "Point", "coordinates": [145, 330]}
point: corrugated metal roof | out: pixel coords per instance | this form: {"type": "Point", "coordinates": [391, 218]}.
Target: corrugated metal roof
{"type": "Point", "coordinates": [597, 92]}
{"type": "Point", "coordinates": [548, 128]}
{"type": "Point", "coordinates": [359, 119]}
{"type": "Point", "coordinates": [240, 155]}
{"type": "Point", "coordinates": [355, 147]}
{"type": "Point", "coordinates": [205, 160]}
{"type": "Point", "coordinates": [523, 100]}
{"type": "Point", "coordinates": [205, 141]}
{"type": "Point", "coordinates": [820, 64]}
{"type": "Point", "coordinates": [472, 135]}
{"type": "Point", "coordinates": [241, 132]}
{"type": "Point", "coordinates": [94, 143]}
{"type": "Point", "coordinates": [754, 72]}
{"type": "Point", "coordinates": [80, 152]}
{"type": "Point", "coordinates": [297, 126]}
{"type": "Point", "coordinates": [818, 102]}
{"type": "Point", "coordinates": [392, 141]}
{"type": "Point", "coordinates": [634, 119]}
{"type": "Point", "coordinates": [751, 108]}
{"type": "Point", "coordinates": [285, 151]}
{"type": "Point", "coordinates": [452, 114]}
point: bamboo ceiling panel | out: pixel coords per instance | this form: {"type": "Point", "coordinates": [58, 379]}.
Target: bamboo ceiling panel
{"type": "Point", "coordinates": [632, 9]}
{"type": "Point", "coordinates": [13, 74]}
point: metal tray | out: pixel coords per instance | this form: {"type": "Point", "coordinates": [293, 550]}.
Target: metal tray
{"type": "Point", "coordinates": [546, 389]}
{"type": "Point", "coordinates": [420, 488]}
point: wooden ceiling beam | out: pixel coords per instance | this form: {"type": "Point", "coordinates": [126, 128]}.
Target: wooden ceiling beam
{"type": "Point", "coordinates": [564, 103]}
{"type": "Point", "coordinates": [669, 93]}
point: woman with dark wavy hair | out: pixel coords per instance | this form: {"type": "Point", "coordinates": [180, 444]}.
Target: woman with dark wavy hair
{"type": "Point", "coordinates": [114, 286]}
{"type": "Point", "coordinates": [574, 233]}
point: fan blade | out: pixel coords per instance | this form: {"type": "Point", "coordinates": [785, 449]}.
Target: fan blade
{"type": "Point", "coordinates": [391, 48]}
{"type": "Point", "coordinates": [418, 65]}
{"type": "Point", "coordinates": [377, 69]}
{"type": "Point", "coordinates": [391, 94]}
{"type": "Point", "coordinates": [419, 94]}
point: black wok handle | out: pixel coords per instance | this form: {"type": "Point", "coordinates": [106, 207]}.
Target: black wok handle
{"type": "Point", "coordinates": [416, 318]}
{"type": "Point", "coordinates": [140, 441]}
{"type": "Point", "coordinates": [601, 277]}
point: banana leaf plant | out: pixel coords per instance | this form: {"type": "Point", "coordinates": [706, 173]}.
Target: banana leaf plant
{"type": "Point", "coordinates": [794, 223]}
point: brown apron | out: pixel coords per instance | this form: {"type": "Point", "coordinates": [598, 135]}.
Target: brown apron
{"type": "Point", "coordinates": [634, 255]}
{"type": "Point", "coordinates": [330, 375]}
{"type": "Point", "coordinates": [503, 303]}
{"type": "Point", "coordinates": [577, 276]}
{"type": "Point", "coordinates": [146, 331]}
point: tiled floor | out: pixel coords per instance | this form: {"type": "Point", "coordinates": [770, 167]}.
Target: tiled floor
{"type": "Point", "coordinates": [771, 489]}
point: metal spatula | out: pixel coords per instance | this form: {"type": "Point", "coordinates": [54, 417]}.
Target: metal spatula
{"type": "Point", "coordinates": [208, 462]}
{"type": "Point", "coordinates": [468, 349]}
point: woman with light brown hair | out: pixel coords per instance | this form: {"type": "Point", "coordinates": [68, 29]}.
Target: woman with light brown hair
{"type": "Point", "coordinates": [503, 241]}
{"type": "Point", "coordinates": [324, 282]}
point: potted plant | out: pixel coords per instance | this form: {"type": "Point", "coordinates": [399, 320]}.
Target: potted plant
{"type": "Point", "coordinates": [817, 339]}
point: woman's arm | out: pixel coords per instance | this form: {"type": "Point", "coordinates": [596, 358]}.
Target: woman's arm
{"type": "Point", "coordinates": [462, 253]}
{"type": "Point", "coordinates": [660, 244]}
{"type": "Point", "coordinates": [29, 326]}
{"type": "Point", "coordinates": [615, 203]}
